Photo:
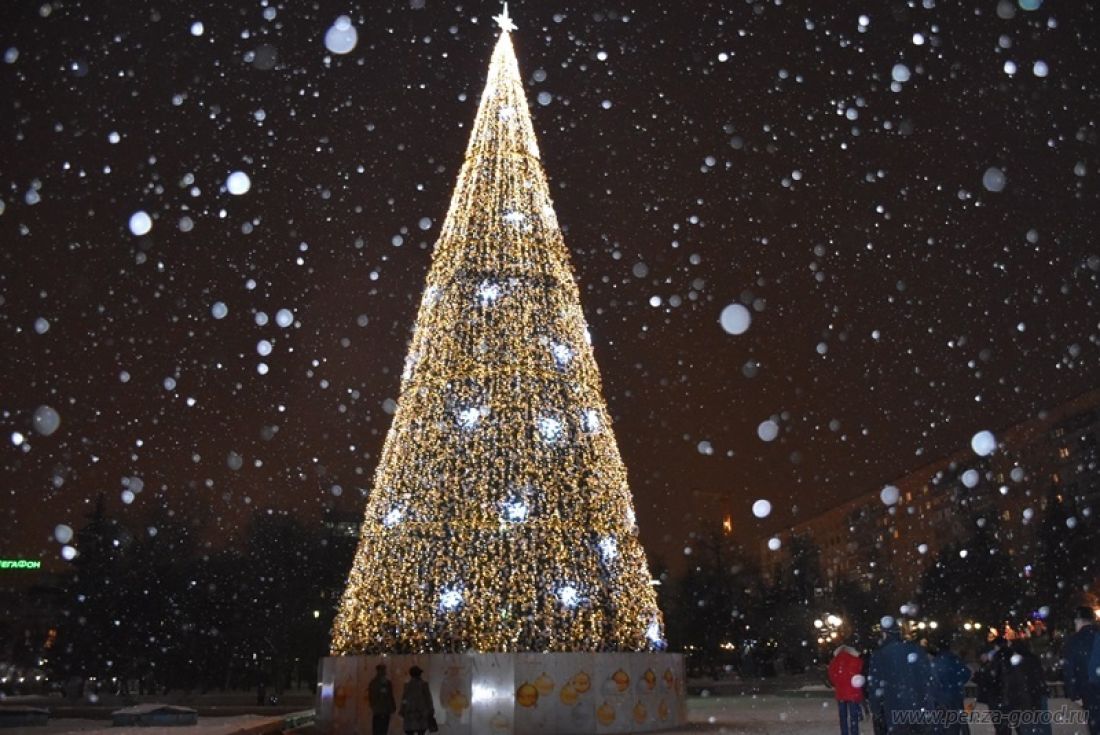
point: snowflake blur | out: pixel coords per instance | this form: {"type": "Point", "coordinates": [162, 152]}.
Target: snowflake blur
{"type": "Point", "coordinates": [444, 519]}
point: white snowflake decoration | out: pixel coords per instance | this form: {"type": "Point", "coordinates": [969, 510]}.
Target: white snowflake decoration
{"type": "Point", "coordinates": [431, 295]}
{"type": "Point", "coordinates": [515, 511]}
{"type": "Point", "coordinates": [506, 113]}
{"type": "Point", "coordinates": [488, 292]}
{"type": "Point", "coordinates": [569, 596]}
{"type": "Point", "coordinates": [469, 416]}
{"type": "Point", "coordinates": [410, 364]}
{"type": "Point", "coordinates": [653, 633]}
{"type": "Point", "coordinates": [609, 549]}
{"type": "Point", "coordinates": [631, 519]}
{"type": "Point", "coordinates": [550, 428]}
{"type": "Point", "coordinates": [450, 599]}
{"type": "Point", "coordinates": [514, 218]}
{"type": "Point", "coordinates": [563, 355]}
{"type": "Point", "coordinates": [590, 421]}
{"type": "Point", "coordinates": [395, 515]}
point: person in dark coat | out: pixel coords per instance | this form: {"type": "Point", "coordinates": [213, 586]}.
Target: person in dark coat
{"type": "Point", "coordinates": [1094, 682]}
{"type": "Point", "coordinates": [899, 684]}
{"type": "Point", "coordinates": [382, 706]}
{"type": "Point", "coordinates": [417, 709]}
{"type": "Point", "coordinates": [990, 686]}
{"type": "Point", "coordinates": [1075, 666]}
{"type": "Point", "coordinates": [1025, 690]}
{"type": "Point", "coordinates": [949, 677]}
{"type": "Point", "coordinates": [846, 676]}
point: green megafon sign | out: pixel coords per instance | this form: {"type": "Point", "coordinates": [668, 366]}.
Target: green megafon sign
{"type": "Point", "coordinates": [20, 564]}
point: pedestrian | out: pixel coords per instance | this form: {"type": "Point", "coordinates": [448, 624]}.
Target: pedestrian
{"type": "Point", "coordinates": [417, 710]}
{"type": "Point", "coordinates": [949, 677]}
{"type": "Point", "coordinates": [990, 686]}
{"type": "Point", "coordinates": [846, 676]}
{"type": "Point", "coordinates": [380, 694]}
{"type": "Point", "coordinates": [1094, 684]}
{"type": "Point", "coordinates": [899, 683]}
{"type": "Point", "coordinates": [1076, 670]}
{"type": "Point", "coordinates": [1025, 690]}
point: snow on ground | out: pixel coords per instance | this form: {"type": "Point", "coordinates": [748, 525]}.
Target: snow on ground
{"type": "Point", "coordinates": [239, 725]}
{"type": "Point", "coordinates": [748, 715]}
{"type": "Point", "coordinates": [782, 715]}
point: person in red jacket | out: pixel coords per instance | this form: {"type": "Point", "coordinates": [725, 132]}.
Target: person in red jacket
{"type": "Point", "coordinates": [846, 676]}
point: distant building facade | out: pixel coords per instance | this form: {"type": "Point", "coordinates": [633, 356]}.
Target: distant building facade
{"type": "Point", "coordinates": [1054, 458]}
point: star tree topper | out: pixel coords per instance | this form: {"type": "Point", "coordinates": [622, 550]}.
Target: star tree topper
{"type": "Point", "coordinates": [504, 20]}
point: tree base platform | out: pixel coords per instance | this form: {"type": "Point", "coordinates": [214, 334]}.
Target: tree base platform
{"type": "Point", "coordinates": [515, 693]}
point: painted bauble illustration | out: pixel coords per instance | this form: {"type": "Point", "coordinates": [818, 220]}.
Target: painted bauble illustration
{"type": "Point", "coordinates": [527, 695]}
{"type": "Point", "coordinates": [544, 684]}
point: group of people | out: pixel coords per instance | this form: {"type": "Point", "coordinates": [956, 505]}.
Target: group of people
{"type": "Point", "coordinates": [903, 686]}
{"type": "Point", "coordinates": [417, 710]}
{"type": "Point", "coordinates": [910, 689]}
{"type": "Point", "coordinates": [906, 688]}
{"type": "Point", "coordinates": [1081, 666]}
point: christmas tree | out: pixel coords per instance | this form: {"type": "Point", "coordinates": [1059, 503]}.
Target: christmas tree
{"type": "Point", "coordinates": [500, 517]}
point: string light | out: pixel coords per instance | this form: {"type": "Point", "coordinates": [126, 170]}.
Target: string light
{"type": "Point", "coordinates": [500, 391]}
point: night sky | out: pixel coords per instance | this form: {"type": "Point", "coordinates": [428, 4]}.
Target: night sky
{"type": "Point", "coordinates": [911, 225]}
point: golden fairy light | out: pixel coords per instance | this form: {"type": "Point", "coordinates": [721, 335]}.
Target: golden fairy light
{"type": "Point", "coordinates": [500, 517]}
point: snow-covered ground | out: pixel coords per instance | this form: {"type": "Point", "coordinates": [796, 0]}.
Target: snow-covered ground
{"type": "Point", "coordinates": [748, 714]}
{"type": "Point", "coordinates": [239, 725]}
{"type": "Point", "coordinates": [780, 715]}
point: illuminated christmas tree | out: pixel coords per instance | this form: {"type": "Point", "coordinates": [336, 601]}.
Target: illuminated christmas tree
{"type": "Point", "coordinates": [500, 517]}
